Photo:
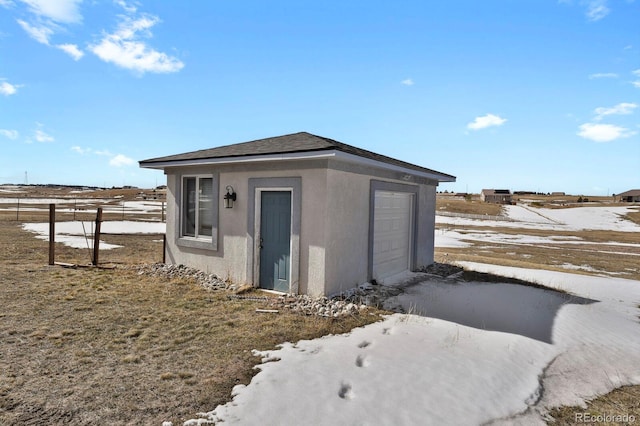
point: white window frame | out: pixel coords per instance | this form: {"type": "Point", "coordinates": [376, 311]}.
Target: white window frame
{"type": "Point", "coordinates": [196, 240]}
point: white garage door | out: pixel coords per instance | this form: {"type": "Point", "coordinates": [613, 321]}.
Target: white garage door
{"type": "Point", "coordinates": [392, 233]}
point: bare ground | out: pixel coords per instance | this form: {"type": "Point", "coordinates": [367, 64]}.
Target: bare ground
{"type": "Point", "coordinates": [92, 346]}
{"type": "Point", "coordinates": [108, 346]}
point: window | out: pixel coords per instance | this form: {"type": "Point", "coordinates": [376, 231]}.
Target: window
{"type": "Point", "coordinates": [197, 207]}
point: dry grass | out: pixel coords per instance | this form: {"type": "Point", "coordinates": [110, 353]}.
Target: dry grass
{"type": "Point", "coordinates": [468, 206]}
{"type": "Point", "coordinates": [94, 346]}
{"type": "Point", "coordinates": [620, 402]}
{"type": "Point", "coordinates": [634, 217]}
{"type": "Point", "coordinates": [596, 251]}
{"type": "Point", "coordinates": [106, 346]}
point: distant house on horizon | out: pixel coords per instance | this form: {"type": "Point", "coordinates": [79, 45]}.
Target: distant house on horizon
{"type": "Point", "coordinates": [496, 196]}
{"type": "Point", "coordinates": [631, 196]}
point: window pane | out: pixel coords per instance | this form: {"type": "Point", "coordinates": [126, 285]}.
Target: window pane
{"type": "Point", "coordinates": [205, 206]}
{"type": "Point", "coordinates": [189, 207]}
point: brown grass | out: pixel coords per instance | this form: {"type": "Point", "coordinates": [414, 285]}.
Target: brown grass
{"type": "Point", "coordinates": [621, 401]}
{"type": "Point", "coordinates": [107, 346]}
{"type": "Point", "coordinates": [468, 207]}
{"type": "Point", "coordinates": [96, 346]}
{"type": "Point", "coordinates": [634, 217]}
{"type": "Point", "coordinates": [589, 253]}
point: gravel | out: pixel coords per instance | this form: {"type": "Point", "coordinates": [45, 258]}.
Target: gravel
{"type": "Point", "coordinates": [351, 302]}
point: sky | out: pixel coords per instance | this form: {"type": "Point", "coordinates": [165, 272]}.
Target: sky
{"type": "Point", "coordinates": [535, 95]}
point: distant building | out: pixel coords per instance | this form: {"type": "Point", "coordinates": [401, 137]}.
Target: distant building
{"type": "Point", "coordinates": [496, 196]}
{"type": "Point", "coordinates": [632, 196]}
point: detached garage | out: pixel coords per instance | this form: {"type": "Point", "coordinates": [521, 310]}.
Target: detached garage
{"type": "Point", "coordinates": [392, 233]}
{"type": "Point", "coordinates": [298, 213]}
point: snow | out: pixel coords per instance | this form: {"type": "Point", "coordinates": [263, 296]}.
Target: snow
{"type": "Point", "coordinates": [467, 353]}
{"type": "Point", "coordinates": [47, 201]}
{"type": "Point", "coordinates": [464, 353]}
{"type": "Point", "coordinates": [84, 204]}
{"type": "Point", "coordinates": [578, 218]}
{"type": "Point", "coordinates": [78, 234]}
{"type": "Point", "coordinates": [569, 219]}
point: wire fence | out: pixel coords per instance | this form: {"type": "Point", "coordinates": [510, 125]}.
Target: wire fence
{"type": "Point", "coordinates": [474, 216]}
{"type": "Point", "coordinates": [70, 208]}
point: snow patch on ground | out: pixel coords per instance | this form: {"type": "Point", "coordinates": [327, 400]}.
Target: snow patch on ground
{"type": "Point", "coordinates": [79, 234]}
{"type": "Point", "coordinates": [468, 353]}
{"type": "Point", "coordinates": [570, 219]}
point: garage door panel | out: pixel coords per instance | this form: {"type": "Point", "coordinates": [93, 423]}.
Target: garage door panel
{"type": "Point", "coordinates": [392, 233]}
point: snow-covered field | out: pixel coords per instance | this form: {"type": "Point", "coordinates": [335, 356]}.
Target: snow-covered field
{"type": "Point", "coordinates": [68, 205]}
{"type": "Point", "coordinates": [467, 353]}
{"type": "Point", "coordinates": [78, 234]}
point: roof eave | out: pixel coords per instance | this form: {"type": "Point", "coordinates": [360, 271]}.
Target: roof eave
{"type": "Point", "coordinates": [306, 155]}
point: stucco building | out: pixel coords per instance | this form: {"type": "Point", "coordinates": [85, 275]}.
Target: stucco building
{"type": "Point", "coordinates": [298, 213]}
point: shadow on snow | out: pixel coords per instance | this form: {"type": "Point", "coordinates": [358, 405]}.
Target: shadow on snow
{"type": "Point", "coordinates": [511, 308]}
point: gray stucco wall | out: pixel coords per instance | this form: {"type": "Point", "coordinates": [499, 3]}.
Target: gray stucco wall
{"type": "Point", "coordinates": [334, 235]}
{"type": "Point", "coordinates": [347, 236]}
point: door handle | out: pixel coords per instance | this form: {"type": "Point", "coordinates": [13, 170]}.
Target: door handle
{"type": "Point", "coordinates": [260, 246]}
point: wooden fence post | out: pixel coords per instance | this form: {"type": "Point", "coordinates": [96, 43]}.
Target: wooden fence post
{"type": "Point", "coordinates": [52, 234]}
{"type": "Point", "coordinates": [164, 248]}
{"type": "Point", "coordinates": [96, 237]}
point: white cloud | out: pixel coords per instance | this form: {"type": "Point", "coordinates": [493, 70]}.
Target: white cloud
{"type": "Point", "coordinates": [6, 3]}
{"type": "Point", "coordinates": [121, 160]}
{"type": "Point", "coordinates": [8, 89]}
{"type": "Point", "coordinates": [80, 150]}
{"type": "Point", "coordinates": [65, 11]}
{"type": "Point", "coordinates": [49, 17]}
{"type": "Point", "coordinates": [604, 132]}
{"type": "Point", "coordinates": [11, 134]}
{"type": "Point", "coordinates": [407, 82]}
{"type": "Point", "coordinates": [117, 160]}
{"type": "Point", "coordinates": [637, 82]}
{"type": "Point", "coordinates": [126, 6]}
{"type": "Point", "coordinates": [43, 137]}
{"type": "Point", "coordinates": [125, 49]}
{"type": "Point", "coordinates": [624, 108]}
{"type": "Point", "coordinates": [596, 10]}
{"type": "Point", "coordinates": [39, 33]}
{"type": "Point", "coordinates": [486, 121]}
{"type": "Point", "coordinates": [72, 50]}
{"type": "Point", "coordinates": [603, 75]}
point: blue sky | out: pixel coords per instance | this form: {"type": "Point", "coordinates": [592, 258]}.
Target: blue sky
{"type": "Point", "coordinates": [520, 94]}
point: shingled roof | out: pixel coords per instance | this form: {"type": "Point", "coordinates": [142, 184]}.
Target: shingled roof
{"type": "Point", "coordinates": [288, 144]}
{"type": "Point", "coordinates": [630, 193]}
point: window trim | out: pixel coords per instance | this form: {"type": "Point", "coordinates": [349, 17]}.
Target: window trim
{"type": "Point", "coordinates": [202, 242]}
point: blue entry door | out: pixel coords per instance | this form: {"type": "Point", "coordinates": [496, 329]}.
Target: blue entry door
{"type": "Point", "coordinates": [275, 240]}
